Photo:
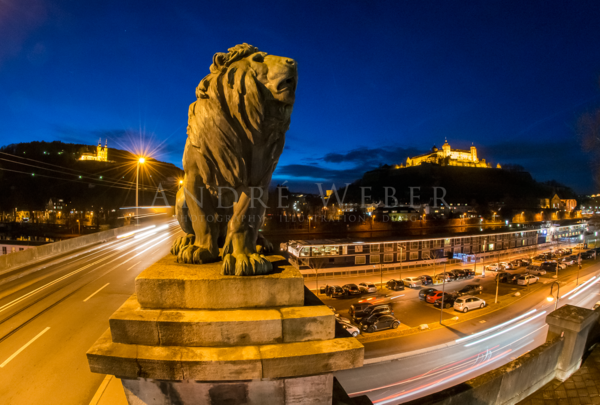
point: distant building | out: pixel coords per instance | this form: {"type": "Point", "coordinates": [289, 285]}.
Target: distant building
{"type": "Point", "coordinates": [449, 157]}
{"type": "Point", "coordinates": [101, 153]}
{"type": "Point", "coordinates": [557, 203]}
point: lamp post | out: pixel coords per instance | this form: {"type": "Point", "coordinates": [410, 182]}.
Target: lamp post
{"type": "Point", "coordinates": [137, 177]}
{"type": "Point", "coordinates": [551, 297]}
{"type": "Point", "coordinates": [443, 294]}
{"type": "Point", "coordinates": [401, 252]}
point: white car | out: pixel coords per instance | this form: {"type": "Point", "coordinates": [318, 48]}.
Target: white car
{"type": "Point", "coordinates": [353, 330]}
{"type": "Point", "coordinates": [527, 279]}
{"type": "Point", "coordinates": [413, 282]}
{"type": "Point", "coordinates": [537, 270]}
{"type": "Point", "coordinates": [367, 287]}
{"type": "Point", "coordinates": [342, 319]}
{"type": "Point", "coordinates": [568, 261]}
{"type": "Point", "coordinates": [506, 265]}
{"type": "Point", "coordinates": [493, 267]}
{"type": "Point", "coordinates": [468, 302]}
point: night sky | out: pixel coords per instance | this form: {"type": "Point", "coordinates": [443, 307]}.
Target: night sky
{"type": "Point", "coordinates": [378, 81]}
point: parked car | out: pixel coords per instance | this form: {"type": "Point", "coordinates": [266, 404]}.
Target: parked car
{"type": "Point", "coordinates": [433, 296]}
{"type": "Point", "coordinates": [516, 263]}
{"type": "Point", "coordinates": [469, 273]}
{"type": "Point", "coordinates": [412, 282]}
{"type": "Point", "coordinates": [508, 278]}
{"type": "Point", "coordinates": [340, 318]}
{"type": "Point", "coordinates": [537, 270]}
{"type": "Point", "coordinates": [468, 302]}
{"type": "Point", "coordinates": [367, 287]}
{"type": "Point", "coordinates": [493, 267]}
{"type": "Point", "coordinates": [568, 261]}
{"type": "Point", "coordinates": [358, 309]}
{"type": "Point", "coordinates": [351, 289]}
{"type": "Point", "coordinates": [526, 262]}
{"type": "Point", "coordinates": [353, 330]}
{"type": "Point", "coordinates": [381, 322]}
{"type": "Point", "coordinates": [458, 274]}
{"type": "Point", "coordinates": [449, 276]}
{"type": "Point", "coordinates": [448, 301]}
{"type": "Point", "coordinates": [335, 291]}
{"type": "Point", "coordinates": [395, 285]}
{"type": "Point", "coordinates": [425, 291]}
{"type": "Point", "coordinates": [549, 266]}
{"type": "Point", "coordinates": [470, 289]}
{"type": "Point", "coordinates": [527, 279]}
{"type": "Point", "coordinates": [590, 254]}
{"type": "Point", "coordinates": [561, 265]}
{"type": "Point", "coordinates": [372, 310]}
{"type": "Point", "coordinates": [568, 251]}
{"type": "Point", "coordinates": [426, 280]}
{"type": "Point", "coordinates": [506, 265]}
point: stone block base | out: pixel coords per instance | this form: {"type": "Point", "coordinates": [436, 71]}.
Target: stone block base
{"type": "Point", "coordinates": [313, 390]}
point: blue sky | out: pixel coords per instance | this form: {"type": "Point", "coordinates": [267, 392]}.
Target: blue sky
{"type": "Point", "coordinates": [378, 81]}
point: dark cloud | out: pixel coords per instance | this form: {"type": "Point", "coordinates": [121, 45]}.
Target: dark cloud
{"type": "Point", "coordinates": [372, 156]}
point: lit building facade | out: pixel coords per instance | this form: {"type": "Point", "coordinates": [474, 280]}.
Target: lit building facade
{"type": "Point", "coordinates": [101, 153]}
{"type": "Point", "coordinates": [449, 157]}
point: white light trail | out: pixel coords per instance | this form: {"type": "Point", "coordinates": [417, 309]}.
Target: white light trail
{"type": "Point", "coordinates": [578, 287]}
{"type": "Point", "coordinates": [582, 290]}
{"type": "Point", "coordinates": [495, 327]}
{"type": "Point", "coordinates": [506, 330]}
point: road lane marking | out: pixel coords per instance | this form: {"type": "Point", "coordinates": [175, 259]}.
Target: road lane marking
{"type": "Point", "coordinates": [101, 390]}
{"type": "Point", "coordinates": [133, 266]}
{"type": "Point", "coordinates": [15, 354]}
{"type": "Point", "coordinates": [97, 291]}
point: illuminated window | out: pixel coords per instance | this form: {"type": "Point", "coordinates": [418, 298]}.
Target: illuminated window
{"type": "Point", "coordinates": [374, 259]}
{"type": "Point", "coordinates": [425, 244]}
{"type": "Point", "coordinates": [388, 257]}
{"type": "Point", "coordinates": [414, 245]}
{"type": "Point", "coordinates": [425, 255]}
{"type": "Point", "coordinates": [388, 247]}
{"type": "Point", "coordinates": [414, 255]}
{"type": "Point", "coordinates": [403, 257]}
{"type": "Point", "coordinates": [358, 249]}
{"type": "Point", "coordinates": [375, 248]}
{"type": "Point", "coordinates": [360, 259]}
{"type": "Point", "coordinates": [491, 246]}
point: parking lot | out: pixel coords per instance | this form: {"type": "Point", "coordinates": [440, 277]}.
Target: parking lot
{"type": "Point", "coordinates": [411, 311]}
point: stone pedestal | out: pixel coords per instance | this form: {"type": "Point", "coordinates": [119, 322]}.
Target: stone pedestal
{"type": "Point", "coordinates": [192, 336]}
{"type": "Point", "coordinates": [574, 324]}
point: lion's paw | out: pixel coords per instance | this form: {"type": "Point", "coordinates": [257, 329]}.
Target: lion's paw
{"type": "Point", "coordinates": [193, 254]}
{"type": "Point", "coordinates": [264, 246]}
{"type": "Point", "coordinates": [246, 265]}
{"type": "Point", "coordinates": [182, 242]}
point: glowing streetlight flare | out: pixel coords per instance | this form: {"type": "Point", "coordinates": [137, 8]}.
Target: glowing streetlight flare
{"type": "Point", "coordinates": [141, 160]}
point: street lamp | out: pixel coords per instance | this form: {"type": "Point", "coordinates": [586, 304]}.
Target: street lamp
{"type": "Point", "coordinates": [550, 298]}
{"type": "Point", "coordinates": [309, 219]}
{"type": "Point", "coordinates": [140, 161]}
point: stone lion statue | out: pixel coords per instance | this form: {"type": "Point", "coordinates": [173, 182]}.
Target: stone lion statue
{"type": "Point", "coordinates": [236, 133]}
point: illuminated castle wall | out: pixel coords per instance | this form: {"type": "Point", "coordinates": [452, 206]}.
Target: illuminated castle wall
{"type": "Point", "coordinates": [449, 157]}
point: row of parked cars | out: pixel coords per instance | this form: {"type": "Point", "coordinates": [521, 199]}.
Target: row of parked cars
{"type": "Point", "coordinates": [462, 300]}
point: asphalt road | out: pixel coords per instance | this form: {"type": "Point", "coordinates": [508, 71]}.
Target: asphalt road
{"type": "Point", "coordinates": [49, 319]}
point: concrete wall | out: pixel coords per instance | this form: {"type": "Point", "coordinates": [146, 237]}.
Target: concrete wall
{"type": "Point", "coordinates": [12, 261]}
{"type": "Point", "coordinates": [505, 385]}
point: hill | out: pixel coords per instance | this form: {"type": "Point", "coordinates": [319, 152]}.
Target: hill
{"type": "Point", "coordinates": [32, 173]}
{"type": "Point", "coordinates": [462, 184]}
